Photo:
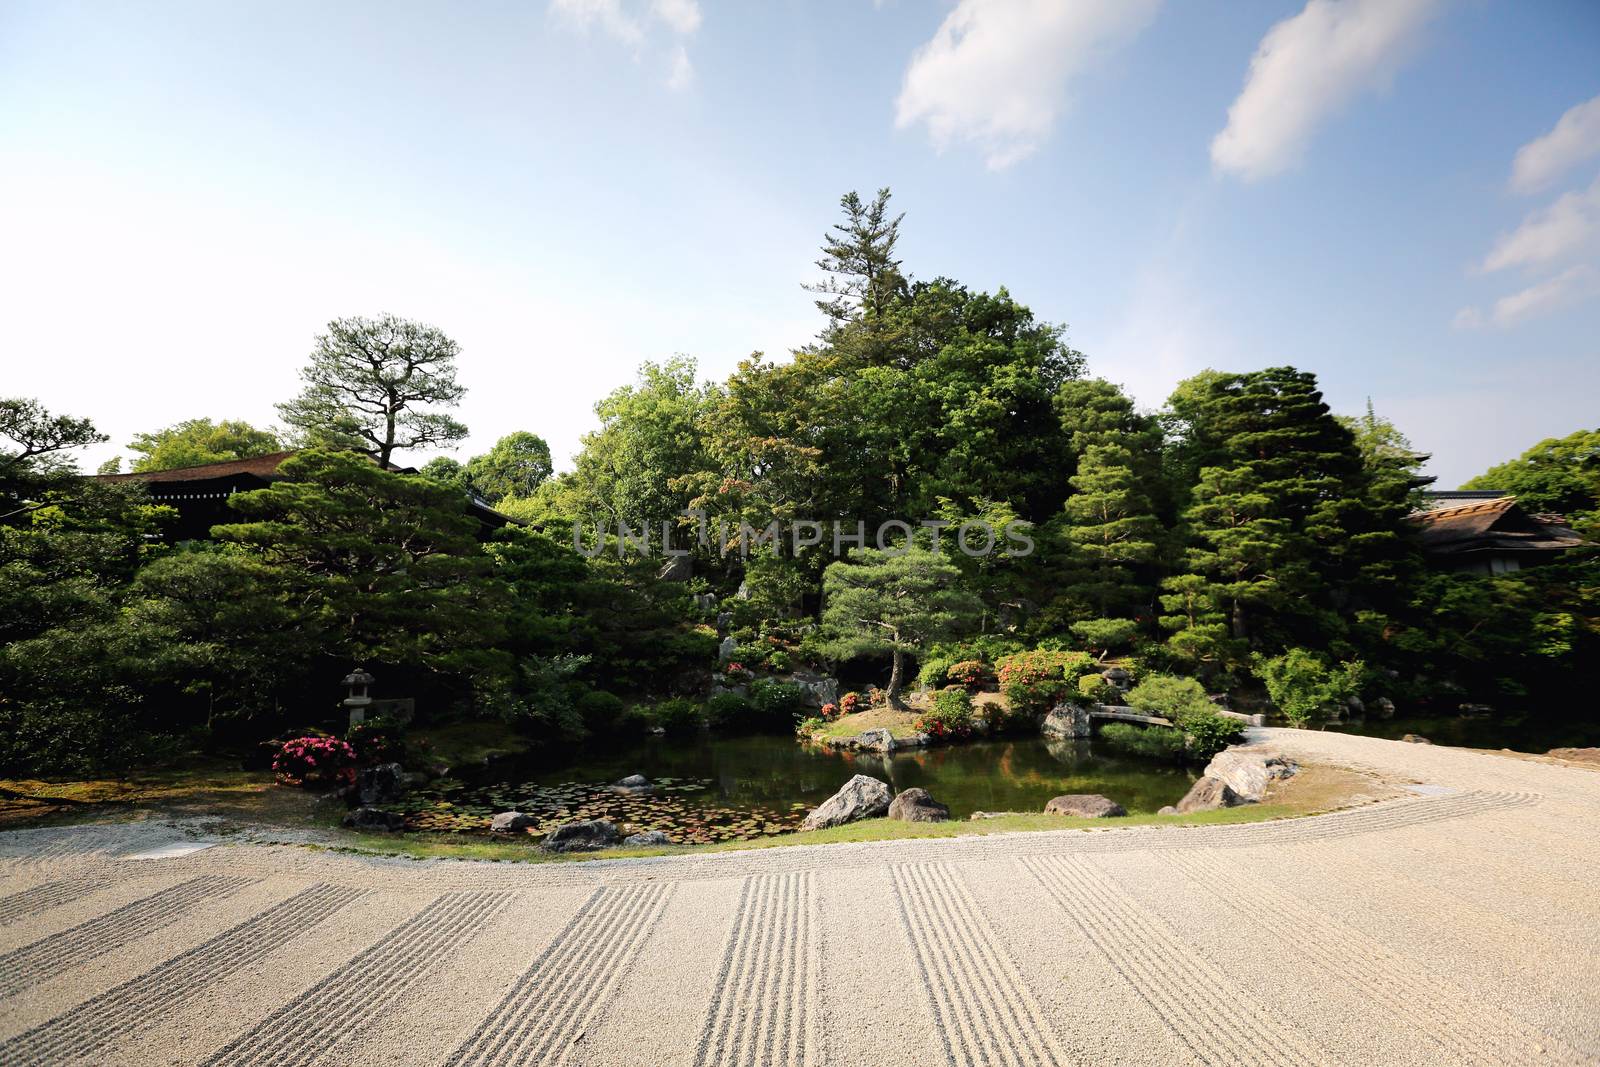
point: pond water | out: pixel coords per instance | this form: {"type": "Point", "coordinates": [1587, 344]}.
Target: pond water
{"type": "Point", "coordinates": [733, 788]}
{"type": "Point", "coordinates": [1521, 731]}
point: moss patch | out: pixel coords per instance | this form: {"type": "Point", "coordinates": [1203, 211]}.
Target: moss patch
{"type": "Point", "coordinates": [898, 723]}
{"type": "Point", "coordinates": [195, 787]}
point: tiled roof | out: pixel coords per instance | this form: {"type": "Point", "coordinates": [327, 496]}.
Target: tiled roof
{"type": "Point", "coordinates": [260, 466]}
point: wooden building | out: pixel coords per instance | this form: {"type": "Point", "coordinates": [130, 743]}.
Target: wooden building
{"type": "Point", "coordinates": [1486, 533]}
{"type": "Point", "coordinates": [200, 494]}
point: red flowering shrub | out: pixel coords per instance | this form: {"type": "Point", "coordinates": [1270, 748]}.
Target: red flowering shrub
{"type": "Point", "coordinates": [830, 712]}
{"type": "Point", "coordinates": [950, 718]}
{"type": "Point", "coordinates": [972, 673]}
{"type": "Point", "coordinates": [1034, 681]}
{"type": "Point", "coordinates": [850, 703]}
{"type": "Point", "coordinates": [315, 761]}
{"type": "Point", "coordinates": [737, 672]}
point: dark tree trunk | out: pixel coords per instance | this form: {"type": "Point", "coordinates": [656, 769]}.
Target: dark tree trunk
{"type": "Point", "coordinates": [896, 680]}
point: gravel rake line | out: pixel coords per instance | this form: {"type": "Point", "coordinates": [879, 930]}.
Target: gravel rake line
{"type": "Point", "coordinates": [1469, 1030]}
{"type": "Point", "coordinates": [143, 1001]}
{"type": "Point", "coordinates": [364, 989]}
{"type": "Point", "coordinates": [981, 1004]}
{"type": "Point", "coordinates": [569, 986]}
{"type": "Point", "coordinates": [1208, 1012]}
{"type": "Point", "coordinates": [31, 902]}
{"type": "Point", "coordinates": [763, 1011]}
{"type": "Point", "coordinates": [31, 964]}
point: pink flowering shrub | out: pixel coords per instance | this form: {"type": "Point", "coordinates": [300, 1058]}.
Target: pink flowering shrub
{"type": "Point", "coordinates": [829, 712]}
{"type": "Point", "coordinates": [850, 703]}
{"type": "Point", "coordinates": [315, 761]}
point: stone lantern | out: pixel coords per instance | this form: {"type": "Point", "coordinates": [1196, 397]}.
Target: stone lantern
{"type": "Point", "coordinates": [356, 682]}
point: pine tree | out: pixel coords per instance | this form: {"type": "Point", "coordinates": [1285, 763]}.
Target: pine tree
{"type": "Point", "coordinates": [1112, 527]}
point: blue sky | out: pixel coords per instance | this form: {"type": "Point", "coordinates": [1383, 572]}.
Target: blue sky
{"type": "Point", "coordinates": [1401, 195]}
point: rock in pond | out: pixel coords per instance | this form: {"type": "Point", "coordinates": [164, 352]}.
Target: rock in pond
{"type": "Point", "coordinates": [511, 822]}
{"type": "Point", "coordinates": [1247, 770]}
{"type": "Point", "coordinates": [1085, 806]}
{"type": "Point", "coordinates": [584, 836]}
{"type": "Point", "coordinates": [1066, 722]}
{"type": "Point", "coordinates": [1208, 794]}
{"type": "Point", "coordinates": [859, 798]}
{"type": "Point", "coordinates": [649, 837]}
{"type": "Point", "coordinates": [879, 740]}
{"type": "Point", "coordinates": [1416, 739]}
{"type": "Point", "coordinates": [375, 819]}
{"type": "Point", "coordinates": [634, 783]}
{"type": "Point", "coordinates": [915, 805]}
{"type": "Point", "coordinates": [1383, 708]}
{"type": "Point", "coordinates": [383, 784]}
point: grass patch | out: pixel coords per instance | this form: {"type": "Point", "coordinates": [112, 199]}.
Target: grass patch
{"type": "Point", "coordinates": [199, 786]}
{"type": "Point", "coordinates": [900, 724]}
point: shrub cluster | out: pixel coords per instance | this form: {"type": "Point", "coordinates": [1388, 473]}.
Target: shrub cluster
{"type": "Point", "coordinates": [315, 761]}
{"type": "Point", "coordinates": [1154, 742]}
{"type": "Point", "coordinates": [1033, 682]}
{"type": "Point", "coordinates": [950, 718]}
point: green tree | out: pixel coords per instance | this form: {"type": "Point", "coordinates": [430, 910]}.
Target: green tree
{"type": "Point", "coordinates": [1559, 474]}
{"type": "Point", "coordinates": [858, 257]}
{"type": "Point", "coordinates": [387, 566]}
{"type": "Point", "coordinates": [1112, 528]}
{"type": "Point", "coordinates": [196, 441]}
{"type": "Point", "coordinates": [879, 602]}
{"type": "Point", "coordinates": [515, 467]}
{"type": "Point", "coordinates": [33, 453]}
{"type": "Point", "coordinates": [378, 386]}
{"type": "Point", "coordinates": [447, 471]}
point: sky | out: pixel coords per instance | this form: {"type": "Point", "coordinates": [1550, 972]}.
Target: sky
{"type": "Point", "coordinates": [1400, 195]}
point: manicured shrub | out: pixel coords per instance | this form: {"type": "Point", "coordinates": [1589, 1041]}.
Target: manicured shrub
{"type": "Point", "coordinates": [972, 673]}
{"type": "Point", "coordinates": [315, 761]}
{"type": "Point", "coordinates": [1154, 742]}
{"type": "Point", "coordinates": [829, 712]}
{"type": "Point", "coordinates": [603, 714]}
{"type": "Point", "coordinates": [1304, 686]}
{"type": "Point", "coordinates": [678, 717]}
{"type": "Point", "coordinates": [1169, 696]}
{"type": "Point", "coordinates": [776, 705]}
{"type": "Point", "coordinates": [1207, 733]}
{"type": "Point", "coordinates": [850, 703]}
{"type": "Point", "coordinates": [934, 670]}
{"type": "Point", "coordinates": [808, 728]}
{"type": "Point", "coordinates": [729, 713]}
{"type": "Point", "coordinates": [950, 718]}
{"type": "Point", "coordinates": [778, 661]}
{"type": "Point", "coordinates": [1100, 636]}
{"type": "Point", "coordinates": [376, 741]}
{"type": "Point", "coordinates": [1033, 682]}
{"type": "Point", "coordinates": [1097, 690]}
{"type": "Point", "coordinates": [737, 673]}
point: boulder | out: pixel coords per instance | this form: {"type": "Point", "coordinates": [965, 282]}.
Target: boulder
{"type": "Point", "coordinates": [1577, 755]}
{"type": "Point", "coordinates": [1085, 806]}
{"type": "Point", "coordinates": [1416, 739]}
{"type": "Point", "coordinates": [975, 816]}
{"type": "Point", "coordinates": [1247, 770]}
{"type": "Point", "coordinates": [1066, 722]}
{"type": "Point", "coordinates": [724, 621]}
{"type": "Point", "coordinates": [383, 784]}
{"type": "Point", "coordinates": [375, 819]}
{"type": "Point", "coordinates": [818, 690]}
{"type": "Point", "coordinates": [584, 836]}
{"type": "Point", "coordinates": [511, 822]}
{"type": "Point", "coordinates": [859, 798]}
{"type": "Point", "coordinates": [879, 740]}
{"type": "Point", "coordinates": [726, 649]}
{"type": "Point", "coordinates": [1208, 794]}
{"type": "Point", "coordinates": [1168, 810]}
{"type": "Point", "coordinates": [1475, 711]}
{"type": "Point", "coordinates": [677, 569]}
{"type": "Point", "coordinates": [915, 805]}
{"type": "Point", "coordinates": [1383, 708]}
{"type": "Point", "coordinates": [649, 837]}
{"type": "Point", "coordinates": [634, 783]}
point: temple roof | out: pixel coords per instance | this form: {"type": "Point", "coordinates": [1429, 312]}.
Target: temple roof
{"type": "Point", "coordinates": [1494, 526]}
{"type": "Point", "coordinates": [260, 466]}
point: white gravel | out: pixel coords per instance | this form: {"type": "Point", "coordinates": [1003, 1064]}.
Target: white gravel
{"type": "Point", "coordinates": [1457, 925]}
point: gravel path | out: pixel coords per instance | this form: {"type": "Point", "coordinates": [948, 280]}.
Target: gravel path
{"type": "Point", "coordinates": [1457, 925]}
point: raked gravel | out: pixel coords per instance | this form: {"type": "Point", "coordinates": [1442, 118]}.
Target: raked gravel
{"type": "Point", "coordinates": [1458, 924]}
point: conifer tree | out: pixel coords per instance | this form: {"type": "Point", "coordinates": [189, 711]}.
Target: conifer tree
{"type": "Point", "coordinates": [1112, 527]}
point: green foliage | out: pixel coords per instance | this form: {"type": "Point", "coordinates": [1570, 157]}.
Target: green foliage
{"type": "Point", "coordinates": [196, 441]}
{"type": "Point", "coordinates": [1097, 690]}
{"type": "Point", "coordinates": [950, 718]}
{"type": "Point", "coordinates": [935, 671]}
{"type": "Point", "coordinates": [806, 729]}
{"type": "Point", "coordinates": [1034, 682]}
{"type": "Point", "coordinates": [729, 713]}
{"type": "Point", "coordinates": [775, 705]}
{"type": "Point", "coordinates": [1305, 686]}
{"type": "Point", "coordinates": [1151, 742]}
{"type": "Point", "coordinates": [1206, 732]}
{"type": "Point", "coordinates": [1169, 696]}
{"type": "Point", "coordinates": [880, 602]}
{"type": "Point", "coordinates": [1103, 636]}
{"type": "Point", "coordinates": [678, 717]}
{"type": "Point", "coordinates": [1559, 474]}
{"type": "Point", "coordinates": [378, 386]}
{"type": "Point", "coordinates": [515, 467]}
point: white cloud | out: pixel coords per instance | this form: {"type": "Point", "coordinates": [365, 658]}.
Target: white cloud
{"type": "Point", "coordinates": [1569, 225]}
{"type": "Point", "coordinates": [996, 72]}
{"type": "Point", "coordinates": [634, 25]}
{"type": "Point", "coordinates": [1572, 286]}
{"type": "Point", "coordinates": [1575, 138]}
{"type": "Point", "coordinates": [1306, 68]}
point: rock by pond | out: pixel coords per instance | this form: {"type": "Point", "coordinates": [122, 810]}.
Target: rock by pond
{"type": "Point", "coordinates": [1416, 739]}
{"type": "Point", "coordinates": [634, 783]}
{"type": "Point", "coordinates": [1247, 770]}
{"type": "Point", "coordinates": [383, 784]}
{"type": "Point", "coordinates": [1208, 794]}
{"type": "Point", "coordinates": [859, 798]}
{"type": "Point", "coordinates": [649, 837]}
{"type": "Point", "coordinates": [1085, 806]}
{"type": "Point", "coordinates": [915, 805]}
{"type": "Point", "coordinates": [511, 822]}
{"type": "Point", "coordinates": [1066, 722]}
{"type": "Point", "coordinates": [585, 836]}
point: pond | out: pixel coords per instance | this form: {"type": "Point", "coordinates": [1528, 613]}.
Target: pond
{"type": "Point", "coordinates": [735, 788]}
